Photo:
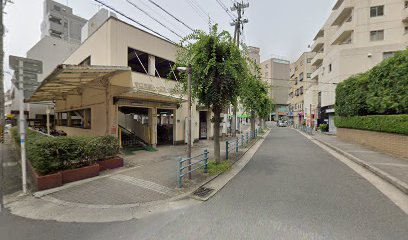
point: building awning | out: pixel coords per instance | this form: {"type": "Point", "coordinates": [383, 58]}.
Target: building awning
{"type": "Point", "coordinates": [153, 96]}
{"type": "Point", "coordinates": [66, 79]}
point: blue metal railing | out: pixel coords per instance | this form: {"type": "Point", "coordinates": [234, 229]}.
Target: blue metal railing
{"type": "Point", "coordinates": [235, 144]}
{"type": "Point", "coordinates": [201, 158]}
{"type": "Point", "coordinates": [305, 129]}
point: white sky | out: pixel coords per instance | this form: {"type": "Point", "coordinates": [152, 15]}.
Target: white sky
{"type": "Point", "coordinates": [279, 27]}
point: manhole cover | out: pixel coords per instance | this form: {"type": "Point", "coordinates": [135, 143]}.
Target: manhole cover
{"type": "Point", "coordinates": [203, 191]}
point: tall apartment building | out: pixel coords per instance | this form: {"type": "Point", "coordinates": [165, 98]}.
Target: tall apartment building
{"type": "Point", "coordinates": [301, 90]}
{"type": "Point", "coordinates": [275, 72]}
{"type": "Point", "coordinates": [60, 22]}
{"type": "Point", "coordinates": [61, 36]}
{"type": "Point", "coordinates": [358, 35]}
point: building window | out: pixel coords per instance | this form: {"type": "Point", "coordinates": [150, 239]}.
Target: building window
{"type": "Point", "coordinates": [54, 19]}
{"type": "Point", "coordinates": [56, 34]}
{"type": "Point", "coordinates": [296, 81]}
{"type": "Point", "coordinates": [406, 29]}
{"type": "Point", "coordinates": [388, 55]}
{"type": "Point", "coordinates": [309, 60]}
{"type": "Point", "coordinates": [406, 4]}
{"type": "Point", "coordinates": [301, 77]}
{"type": "Point", "coordinates": [330, 67]}
{"type": "Point", "coordinates": [377, 11]}
{"type": "Point", "coordinates": [86, 62]}
{"type": "Point", "coordinates": [57, 8]}
{"type": "Point", "coordinates": [76, 118]}
{"type": "Point", "coordinates": [164, 69]}
{"type": "Point", "coordinates": [301, 90]}
{"type": "Point", "coordinates": [138, 61]}
{"type": "Point", "coordinates": [377, 35]}
{"type": "Point", "coordinates": [309, 75]}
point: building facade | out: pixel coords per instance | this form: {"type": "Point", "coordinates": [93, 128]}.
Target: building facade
{"type": "Point", "coordinates": [276, 73]}
{"type": "Point", "coordinates": [60, 22]}
{"type": "Point", "coordinates": [357, 36]}
{"type": "Point", "coordinates": [120, 83]}
{"type": "Point", "coordinates": [302, 92]}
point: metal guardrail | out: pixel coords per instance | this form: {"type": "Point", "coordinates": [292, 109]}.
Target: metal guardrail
{"type": "Point", "coordinates": [243, 141]}
{"type": "Point", "coordinates": [305, 129]}
{"type": "Point", "coordinates": [202, 158]}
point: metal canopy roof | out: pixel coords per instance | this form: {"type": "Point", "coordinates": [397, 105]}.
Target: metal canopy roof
{"type": "Point", "coordinates": [66, 79]}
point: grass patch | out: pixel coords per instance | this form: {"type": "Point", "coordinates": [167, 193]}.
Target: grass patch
{"type": "Point", "coordinates": [216, 168]}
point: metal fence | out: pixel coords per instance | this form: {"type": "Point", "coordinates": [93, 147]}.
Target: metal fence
{"type": "Point", "coordinates": [305, 129]}
{"type": "Point", "coordinates": [202, 158]}
{"type": "Point", "coordinates": [233, 146]}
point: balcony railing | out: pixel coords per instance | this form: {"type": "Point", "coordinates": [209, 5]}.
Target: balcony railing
{"type": "Point", "coordinates": [318, 44]}
{"type": "Point", "coordinates": [344, 34]}
{"type": "Point", "coordinates": [342, 12]}
{"type": "Point", "coordinates": [318, 59]}
{"type": "Point", "coordinates": [405, 15]}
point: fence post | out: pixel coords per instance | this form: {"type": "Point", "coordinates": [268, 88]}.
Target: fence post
{"type": "Point", "coordinates": [180, 172]}
{"type": "Point", "coordinates": [242, 140]}
{"type": "Point", "coordinates": [237, 145]}
{"type": "Point", "coordinates": [205, 161]}
{"type": "Point", "coordinates": [226, 149]}
{"type": "Point", "coordinates": [247, 138]}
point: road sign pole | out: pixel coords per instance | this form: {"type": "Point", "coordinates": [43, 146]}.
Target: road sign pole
{"type": "Point", "coordinates": [22, 128]}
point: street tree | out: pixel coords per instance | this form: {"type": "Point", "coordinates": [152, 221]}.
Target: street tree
{"type": "Point", "coordinates": [217, 70]}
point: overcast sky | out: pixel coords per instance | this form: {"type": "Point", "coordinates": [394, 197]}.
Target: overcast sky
{"type": "Point", "coordinates": [284, 28]}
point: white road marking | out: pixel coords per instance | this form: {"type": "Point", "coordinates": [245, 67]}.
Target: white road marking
{"type": "Point", "coordinates": [144, 184]}
{"type": "Point", "coordinates": [392, 164]}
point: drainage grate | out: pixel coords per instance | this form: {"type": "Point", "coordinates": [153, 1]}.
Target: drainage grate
{"type": "Point", "coordinates": [203, 191]}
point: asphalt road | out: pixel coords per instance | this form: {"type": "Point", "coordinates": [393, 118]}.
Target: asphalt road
{"type": "Point", "coordinates": [291, 189]}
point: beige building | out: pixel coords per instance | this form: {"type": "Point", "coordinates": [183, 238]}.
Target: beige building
{"type": "Point", "coordinates": [119, 82]}
{"type": "Point", "coordinates": [275, 71]}
{"type": "Point", "coordinates": [301, 90]}
{"type": "Point", "coordinates": [357, 36]}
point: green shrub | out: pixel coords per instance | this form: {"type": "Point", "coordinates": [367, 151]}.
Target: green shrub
{"type": "Point", "coordinates": [388, 86]}
{"type": "Point", "coordinates": [382, 90]}
{"type": "Point", "coordinates": [381, 123]}
{"type": "Point", "coordinates": [51, 154]}
{"type": "Point", "coordinates": [324, 127]}
{"type": "Point", "coordinates": [351, 96]}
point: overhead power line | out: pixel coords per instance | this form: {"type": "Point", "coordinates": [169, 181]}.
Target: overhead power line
{"type": "Point", "coordinates": [155, 19]}
{"type": "Point", "coordinates": [199, 11]}
{"type": "Point", "coordinates": [171, 15]}
{"type": "Point", "coordinates": [222, 5]}
{"type": "Point", "coordinates": [133, 20]}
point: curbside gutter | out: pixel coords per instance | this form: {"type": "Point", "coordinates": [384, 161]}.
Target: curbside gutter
{"type": "Point", "coordinates": [385, 176]}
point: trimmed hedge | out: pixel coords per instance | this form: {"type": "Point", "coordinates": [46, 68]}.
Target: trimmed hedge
{"type": "Point", "coordinates": [52, 154]}
{"type": "Point", "coordinates": [380, 123]}
{"type": "Point", "coordinates": [382, 90]}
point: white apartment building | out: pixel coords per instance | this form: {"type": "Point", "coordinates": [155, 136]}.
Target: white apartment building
{"type": "Point", "coordinates": [302, 91]}
{"type": "Point", "coordinates": [60, 22]}
{"type": "Point", "coordinates": [358, 35]}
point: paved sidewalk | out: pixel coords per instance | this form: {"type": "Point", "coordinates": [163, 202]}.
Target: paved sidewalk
{"type": "Point", "coordinates": [392, 169]}
{"type": "Point", "coordinates": [148, 180]}
{"type": "Point", "coordinates": [11, 179]}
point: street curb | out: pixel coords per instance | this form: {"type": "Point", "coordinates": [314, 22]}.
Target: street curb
{"type": "Point", "coordinates": [235, 169]}
{"type": "Point", "coordinates": [385, 176]}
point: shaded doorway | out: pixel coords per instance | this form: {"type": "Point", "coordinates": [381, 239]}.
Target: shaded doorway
{"type": "Point", "coordinates": [165, 125]}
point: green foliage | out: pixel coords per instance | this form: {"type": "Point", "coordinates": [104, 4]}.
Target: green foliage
{"type": "Point", "coordinates": [216, 168]}
{"type": "Point", "coordinates": [382, 90]}
{"type": "Point", "coordinates": [217, 68]}
{"type": "Point", "coordinates": [324, 127]}
{"type": "Point", "coordinates": [388, 86]}
{"type": "Point", "coordinates": [51, 154]}
{"type": "Point", "coordinates": [381, 123]}
{"type": "Point", "coordinates": [351, 96]}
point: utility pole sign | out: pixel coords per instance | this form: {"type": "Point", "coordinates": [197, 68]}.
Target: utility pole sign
{"type": "Point", "coordinates": [25, 74]}
{"type": "Point", "coordinates": [238, 23]}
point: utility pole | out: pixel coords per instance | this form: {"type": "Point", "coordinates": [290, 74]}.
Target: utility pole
{"type": "Point", "coordinates": [2, 117]}
{"type": "Point", "coordinates": [189, 72]}
{"type": "Point", "coordinates": [238, 23]}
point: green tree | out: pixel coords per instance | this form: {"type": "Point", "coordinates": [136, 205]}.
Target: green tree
{"type": "Point", "coordinates": [217, 70]}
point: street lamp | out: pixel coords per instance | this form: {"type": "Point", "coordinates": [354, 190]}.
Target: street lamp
{"type": "Point", "coordinates": [188, 70]}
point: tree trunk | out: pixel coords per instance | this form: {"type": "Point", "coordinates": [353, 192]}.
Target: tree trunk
{"type": "Point", "coordinates": [252, 121]}
{"type": "Point", "coordinates": [217, 122]}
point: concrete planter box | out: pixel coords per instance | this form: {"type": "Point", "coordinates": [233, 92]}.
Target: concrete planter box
{"type": "Point", "coordinates": [73, 175]}
{"type": "Point", "coordinates": [110, 163]}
